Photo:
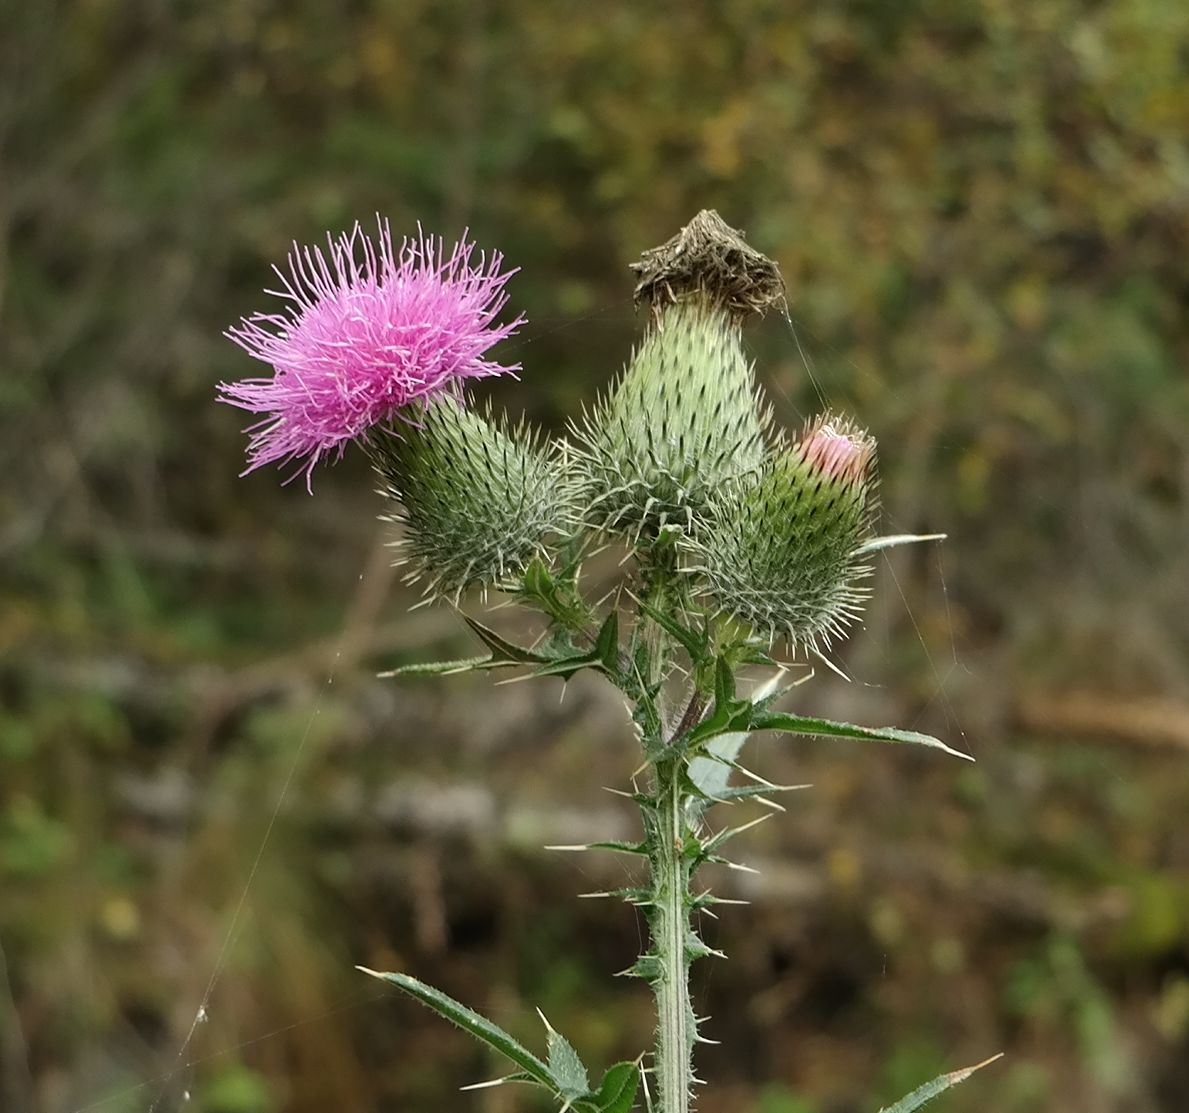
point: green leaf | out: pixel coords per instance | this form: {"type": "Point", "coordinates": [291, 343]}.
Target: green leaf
{"type": "Point", "coordinates": [444, 668]}
{"type": "Point", "coordinates": [565, 660]}
{"type": "Point", "coordinates": [558, 600]}
{"type": "Point", "coordinates": [939, 1085]}
{"type": "Point", "coordinates": [747, 654]}
{"type": "Point", "coordinates": [567, 1070]}
{"type": "Point", "coordinates": [647, 717]}
{"type": "Point", "coordinates": [607, 644]}
{"type": "Point", "coordinates": [724, 682]}
{"type": "Point", "coordinates": [749, 792]}
{"type": "Point", "coordinates": [501, 649]}
{"type": "Point", "coordinates": [709, 849]}
{"type": "Point", "coordinates": [617, 1092]}
{"type": "Point", "coordinates": [708, 772]}
{"type": "Point", "coordinates": [566, 666]}
{"type": "Point", "coordinates": [478, 1026]}
{"type": "Point", "coordinates": [695, 642]}
{"type": "Point", "coordinates": [876, 544]}
{"type": "Point", "coordinates": [647, 967]}
{"type": "Point", "coordinates": [800, 724]}
{"type": "Point", "coordinates": [622, 847]}
{"type": "Point", "coordinates": [538, 581]}
{"type": "Point", "coordinates": [727, 718]}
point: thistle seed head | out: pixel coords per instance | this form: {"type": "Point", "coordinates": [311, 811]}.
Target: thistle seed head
{"type": "Point", "coordinates": [683, 418]}
{"type": "Point", "coordinates": [712, 259]}
{"type": "Point", "coordinates": [779, 549]}
{"type": "Point", "coordinates": [478, 498]}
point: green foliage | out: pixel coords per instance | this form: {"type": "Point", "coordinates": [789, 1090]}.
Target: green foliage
{"type": "Point", "coordinates": [32, 844]}
{"type": "Point", "coordinates": [566, 1069]}
{"type": "Point", "coordinates": [1054, 988]}
{"type": "Point", "coordinates": [930, 1090]}
{"type": "Point", "coordinates": [474, 1024]}
{"type": "Point", "coordinates": [617, 1091]}
{"type": "Point", "coordinates": [563, 1075]}
{"type": "Point", "coordinates": [238, 1090]}
{"type": "Point", "coordinates": [801, 724]}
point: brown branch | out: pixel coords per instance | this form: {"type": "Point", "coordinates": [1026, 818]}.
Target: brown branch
{"type": "Point", "coordinates": [1151, 721]}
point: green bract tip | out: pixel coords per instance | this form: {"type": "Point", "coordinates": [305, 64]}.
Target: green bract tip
{"type": "Point", "coordinates": [780, 550]}
{"type": "Point", "coordinates": [683, 418]}
{"type": "Point", "coordinates": [478, 498]}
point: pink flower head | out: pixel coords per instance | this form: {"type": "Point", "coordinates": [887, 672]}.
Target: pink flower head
{"type": "Point", "coordinates": [837, 449]}
{"type": "Point", "coordinates": [367, 331]}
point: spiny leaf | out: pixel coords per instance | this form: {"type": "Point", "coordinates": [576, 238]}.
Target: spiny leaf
{"type": "Point", "coordinates": [724, 682]}
{"type": "Point", "coordinates": [445, 668]}
{"type": "Point", "coordinates": [566, 660]}
{"type": "Point", "coordinates": [470, 1021]}
{"type": "Point", "coordinates": [607, 644]}
{"type": "Point", "coordinates": [696, 949]}
{"type": "Point", "coordinates": [617, 1092]}
{"type": "Point", "coordinates": [800, 724]}
{"type": "Point", "coordinates": [745, 792]}
{"type": "Point", "coordinates": [694, 642]}
{"type": "Point", "coordinates": [647, 718]}
{"type": "Point", "coordinates": [556, 598]}
{"type": "Point", "coordinates": [564, 1065]}
{"type": "Point", "coordinates": [647, 967]}
{"type": "Point", "coordinates": [727, 718]}
{"type": "Point", "coordinates": [749, 653]}
{"type": "Point", "coordinates": [876, 544]}
{"type": "Point", "coordinates": [938, 1086]}
{"type": "Point", "coordinates": [565, 667]}
{"type": "Point", "coordinates": [717, 841]}
{"type": "Point", "coordinates": [518, 1076]}
{"type": "Point", "coordinates": [501, 648]}
{"type": "Point", "coordinates": [708, 774]}
{"type": "Point", "coordinates": [622, 847]}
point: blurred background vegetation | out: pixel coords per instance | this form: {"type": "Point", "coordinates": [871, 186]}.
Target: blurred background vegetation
{"type": "Point", "coordinates": [981, 208]}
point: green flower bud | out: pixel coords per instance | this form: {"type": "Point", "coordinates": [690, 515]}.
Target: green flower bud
{"type": "Point", "coordinates": [683, 418]}
{"type": "Point", "coordinates": [780, 550]}
{"type": "Point", "coordinates": [478, 498]}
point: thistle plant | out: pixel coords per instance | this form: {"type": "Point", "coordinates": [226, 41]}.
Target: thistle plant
{"type": "Point", "coordinates": [748, 547]}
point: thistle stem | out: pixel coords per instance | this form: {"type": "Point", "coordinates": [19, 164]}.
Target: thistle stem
{"type": "Point", "coordinates": [670, 929]}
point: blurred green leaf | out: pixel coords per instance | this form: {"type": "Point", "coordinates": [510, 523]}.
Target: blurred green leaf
{"type": "Point", "coordinates": [939, 1085]}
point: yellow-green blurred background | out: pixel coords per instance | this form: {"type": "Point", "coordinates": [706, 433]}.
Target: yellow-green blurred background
{"type": "Point", "coordinates": [981, 208]}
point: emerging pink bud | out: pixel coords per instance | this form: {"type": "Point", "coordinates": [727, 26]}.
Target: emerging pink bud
{"type": "Point", "coordinates": [837, 449]}
{"type": "Point", "coordinates": [367, 331]}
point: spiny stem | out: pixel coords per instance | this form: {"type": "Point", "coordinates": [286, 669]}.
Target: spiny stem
{"type": "Point", "coordinates": [666, 828]}
{"type": "Point", "coordinates": [670, 926]}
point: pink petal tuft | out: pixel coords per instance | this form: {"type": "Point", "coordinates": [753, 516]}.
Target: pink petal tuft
{"type": "Point", "coordinates": [367, 330]}
{"type": "Point", "coordinates": [837, 449]}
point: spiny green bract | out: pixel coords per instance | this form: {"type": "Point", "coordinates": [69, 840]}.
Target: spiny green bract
{"type": "Point", "coordinates": [683, 418]}
{"type": "Point", "coordinates": [779, 550]}
{"type": "Point", "coordinates": [478, 498]}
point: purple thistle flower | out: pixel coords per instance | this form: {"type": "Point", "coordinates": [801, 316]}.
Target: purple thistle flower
{"type": "Point", "coordinates": [367, 331]}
